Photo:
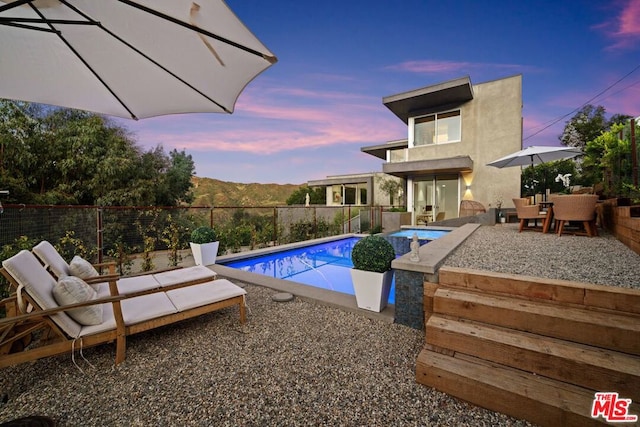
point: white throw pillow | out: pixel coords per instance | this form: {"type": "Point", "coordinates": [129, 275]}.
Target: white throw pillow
{"type": "Point", "coordinates": [82, 268]}
{"type": "Point", "coordinates": [72, 290]}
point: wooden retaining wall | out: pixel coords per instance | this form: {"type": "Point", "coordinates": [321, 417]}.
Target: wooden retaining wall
{"type": "Point", "coordinates": [624, 223]}
{"type": "Point", "coordinates": [536, 349]}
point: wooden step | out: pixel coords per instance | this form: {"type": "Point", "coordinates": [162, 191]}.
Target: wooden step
{"type": "Point", "coordinates": [590, 367]}
{"type": "Point", "coordinates": [538, 399]}
{"type": "Point", "coordinates": [597, 327]}
{"type": "Point", "coordinates": [561, 291]}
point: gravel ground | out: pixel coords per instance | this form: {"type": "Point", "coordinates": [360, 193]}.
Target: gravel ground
{"type": "Point", "coordinates": [294, 363]}
{"type": "Point", "coordinates": [601, 260]}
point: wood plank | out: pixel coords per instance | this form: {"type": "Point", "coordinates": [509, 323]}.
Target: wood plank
{"type": "Point", "coordinates": [512, 284]}
{"type": "Point", "coordinates": [589, 367]}
{"type": "Point", "coordinates": [564, 291]}
{"type": "Point", "coordinates": [591, 327]}
{"type": "Point", "coordinates": [537, 399]}
{"type": "Point", "coordinates": [619, 299]}
{"type": "Point", "coordinates": [429, 292]}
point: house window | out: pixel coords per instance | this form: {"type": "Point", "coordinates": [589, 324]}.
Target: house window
{"type": "Point", "coordinates": [349, 194]}
{"type": "Point", "coordinates": [438, 128]}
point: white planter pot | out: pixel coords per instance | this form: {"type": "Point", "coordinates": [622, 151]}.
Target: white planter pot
{"type": "Point", "coordinates": [205, 253]}
{"type": "Point", "coordinates": [371, 288]}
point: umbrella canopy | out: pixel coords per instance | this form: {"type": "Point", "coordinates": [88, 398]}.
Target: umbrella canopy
{"type": "Point", "coordinates": [535, 155]}
{"type": "Point", "coordinates": [132, 59]}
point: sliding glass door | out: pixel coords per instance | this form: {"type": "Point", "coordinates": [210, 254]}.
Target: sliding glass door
{"type": "Point", "coordinates": [435, 197]}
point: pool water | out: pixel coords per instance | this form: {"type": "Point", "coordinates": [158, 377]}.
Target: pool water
{"type": "Point", "coordinates": [401, 240]}
{"type": "Point", "coordinates": [423, 234]}
{"type": "Point", "coordinates": [323, 265]}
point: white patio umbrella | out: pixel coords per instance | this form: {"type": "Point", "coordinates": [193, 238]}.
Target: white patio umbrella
{"type": "Point", "coordinates": [535, 155]}
{"type": "Point", "coordinates": [131, 59]}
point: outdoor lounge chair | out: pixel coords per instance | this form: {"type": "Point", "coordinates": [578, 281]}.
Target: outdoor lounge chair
{"type": "Point", "coordinates": [527, 212]}
{"type": "Point", "coordinates": [578, 208]}
{"type": "Point", "coordinates": [119, 316]}
{"type": "Point", "coordinates": [58, 267]}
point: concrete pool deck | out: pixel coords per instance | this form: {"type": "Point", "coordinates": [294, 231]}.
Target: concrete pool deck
{"type": "Point", "coordinates": [432, 256]}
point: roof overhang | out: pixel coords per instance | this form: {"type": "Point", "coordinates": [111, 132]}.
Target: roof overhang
{"type": "Point", "coordinates": [340, 180]}
{"type": "Point", "coordinates": [426, 167]}
{"type": "Point", "coordinates": [380, 150]}
{"type": "Point", "coordinates": [431, 98]}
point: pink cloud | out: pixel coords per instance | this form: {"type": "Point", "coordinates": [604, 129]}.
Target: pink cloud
{"type": "Point", "coordinates": [624, 29]}
{"type": "Point", "coordinates": [269, 140]}
{"type": "Point", "coordinates": [430, 66]}
{"type": "Point", "coordinates": [438, 67]}
{"type": "Point", "coordinates": [303, 119]}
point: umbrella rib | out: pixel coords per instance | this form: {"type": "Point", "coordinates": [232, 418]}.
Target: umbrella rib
{"type": "Point", "coordinates": [148, 58]}
{"type": "Point", "coordinates": [16, 3]}
{"type": "Point", "coordinates": [86, 64]}
{"type": "Point", "coordinates": [270, 58]}
{"type": "Point", "coordinates": [10, 23]}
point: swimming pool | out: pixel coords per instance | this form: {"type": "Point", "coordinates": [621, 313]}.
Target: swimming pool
{"type": "Point", "coordinates": [423, 234]}
{"type": "Point", "coordinates": [323, 265]}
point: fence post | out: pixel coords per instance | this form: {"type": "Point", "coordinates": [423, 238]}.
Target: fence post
{"type": "Point", "coordinates": [315, 223]}
{"type": "Point", "coordinates": [99, 233]}
{"type": "Point", "coordinates": [349, 217]}
{"type": "Point", "coordinates": [275, 227]}
{"type": "Point", "coordinates": [634, 153]}
{"type": "Point", "coordinates": [211, 217]}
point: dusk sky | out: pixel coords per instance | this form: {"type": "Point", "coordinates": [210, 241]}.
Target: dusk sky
{"type": "Point", "coordinates": [307, 116]}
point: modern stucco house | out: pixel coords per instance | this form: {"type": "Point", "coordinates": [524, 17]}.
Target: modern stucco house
{"type": "Point", "coordinates": [454, 129]}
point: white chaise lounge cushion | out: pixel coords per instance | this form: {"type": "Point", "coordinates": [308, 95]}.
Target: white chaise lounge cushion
{"type": "Point", "coordinates": [72, 290]}
{"type": "Point", "coordinates": [51, 259]}
{"type": "Point", "coordinates": [181, 275]}
{"type": "Point", "coordinates": [128, 285]}
{"type": "Point", "coordinates": [82, 268]}
{"type": "Point", "coordinates": [27, 270]}
{"type": "Point", "coordinates": [203, 294]}
{"type": "Point", "coordinates": [134, 310]}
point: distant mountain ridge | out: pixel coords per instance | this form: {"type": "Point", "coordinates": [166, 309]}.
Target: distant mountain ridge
{"type": "Point", "coordinates": [213, 192]}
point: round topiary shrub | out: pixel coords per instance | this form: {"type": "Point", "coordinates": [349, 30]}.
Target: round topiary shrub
{"type": "Point", "coordinates": [373, 253]}
{"type": "Point", "coordinates": [203, 234]}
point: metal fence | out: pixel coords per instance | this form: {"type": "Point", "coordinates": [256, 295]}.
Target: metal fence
{"type": "Point", "coordinates": [99, 233]}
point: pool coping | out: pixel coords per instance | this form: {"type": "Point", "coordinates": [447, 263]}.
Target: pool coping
{"type": "Point", "coordinates": [431, 255]}
{"type": "Point", "coordinates": [434, 254]}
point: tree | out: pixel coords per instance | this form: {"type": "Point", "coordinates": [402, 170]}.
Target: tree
{"type": "Point", "coordinates": [587, 124]}
{"type": "Point", "coordinates": [317, 196]}
{"type": "Point", "coordinates": [175, 183]}
{"type": "Point", "coordinates": [584, 126]}
{"type": "Point", "coordinates": [609, 158]}
{"type": "Point", "coordinates": [17, 129]}
{"type": "Point", "coordinates": [62, 156]}
{"type": "Point", "coordinates": [391, 187]}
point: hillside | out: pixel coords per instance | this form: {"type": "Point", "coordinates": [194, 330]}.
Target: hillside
{"type": "Point", "coordinates": [213, 192]}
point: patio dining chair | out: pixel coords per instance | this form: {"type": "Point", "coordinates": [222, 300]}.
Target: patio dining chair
{"type": "Point", "coordinates": [576, 208]}
{"type": "Point", "coordinates": [527, 212]}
